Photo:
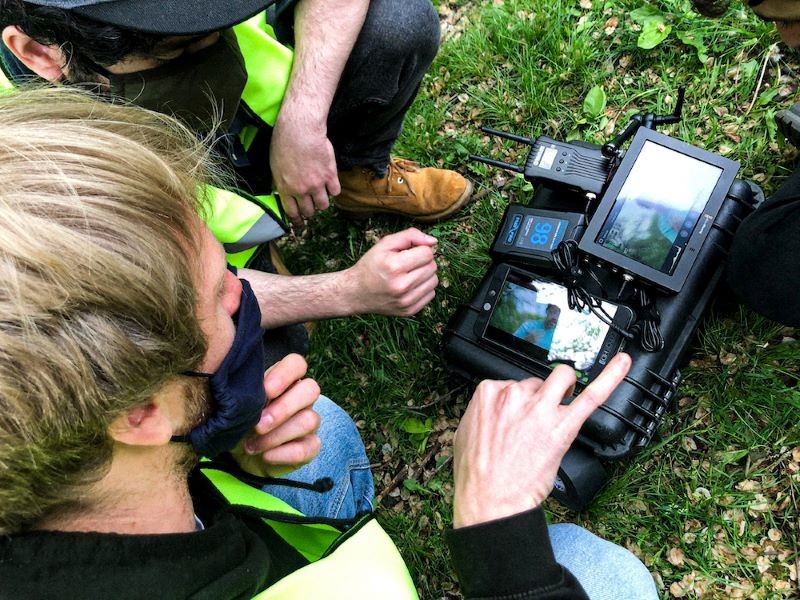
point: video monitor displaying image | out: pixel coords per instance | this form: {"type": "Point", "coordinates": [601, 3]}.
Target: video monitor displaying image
{"type": "Point", "coordinates": [534, 316]}
{"type": "Point", "coordinates": [658, 207]}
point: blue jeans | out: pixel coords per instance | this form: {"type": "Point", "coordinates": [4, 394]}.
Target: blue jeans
{"type": "Point", "coordinates": [606, 571]}
{"type": "Point", "coordinates": [343, 459]}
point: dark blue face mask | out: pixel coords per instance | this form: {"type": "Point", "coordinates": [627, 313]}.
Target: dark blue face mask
{"type": "Point", "coordinates": [237, 387]}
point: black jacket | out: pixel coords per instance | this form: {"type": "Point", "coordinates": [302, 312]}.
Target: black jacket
{"type": "Point", "coordinates": [237, 556]}
{"type": "Point", "coordinates": [510, 558]}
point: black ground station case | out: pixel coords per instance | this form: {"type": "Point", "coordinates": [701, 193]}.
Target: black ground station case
{"type": "Point", "coordinates": [627, 422]}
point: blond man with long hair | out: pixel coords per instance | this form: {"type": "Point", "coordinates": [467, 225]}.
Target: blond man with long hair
{"type": "Point", "coordinates": [128, 350]}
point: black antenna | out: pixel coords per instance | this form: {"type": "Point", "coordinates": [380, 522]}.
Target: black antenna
{"type": "Point", "coordinates": [508, 136]}
{"type": "Point", "coordinates": [675, 117]}
{"type": "Point", "coordinates": [499, 163]}
{"type": "Point", "coordinates": [648, 120]}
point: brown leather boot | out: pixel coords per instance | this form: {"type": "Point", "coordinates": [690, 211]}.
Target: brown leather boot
{"type": "Point", "coordinates": [426, 195]}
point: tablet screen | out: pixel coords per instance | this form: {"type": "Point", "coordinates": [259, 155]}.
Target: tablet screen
{"type": "Point", "coordinates": [532, 316]}
{"type": "Point", "coordinates": [658, 207]}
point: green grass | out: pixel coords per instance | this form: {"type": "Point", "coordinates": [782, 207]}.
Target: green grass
{"type": "Point", "coordinates": [711, 505]}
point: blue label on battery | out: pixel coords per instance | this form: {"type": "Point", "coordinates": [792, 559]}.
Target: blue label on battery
{"type": "Point", "coordinates": [541, 233]}
{"type": "Point", "coordinates": [512, 231]}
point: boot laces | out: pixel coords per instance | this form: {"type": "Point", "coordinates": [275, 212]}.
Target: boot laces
{"type": "Point", "coordinates": [398, 169]}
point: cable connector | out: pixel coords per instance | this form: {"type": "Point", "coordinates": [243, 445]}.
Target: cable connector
{"type": "Point", "coordinates": [626, 279]}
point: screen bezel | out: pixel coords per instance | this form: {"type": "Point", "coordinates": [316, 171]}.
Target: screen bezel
{"type": "Point", "coordinates": [674, 281]}
{"type": "Point", "coordinates": [528, 352]}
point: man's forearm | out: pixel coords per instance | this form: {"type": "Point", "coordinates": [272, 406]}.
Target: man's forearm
{"type": "Point", "coordinates": [325, 32]}
{"type": "Point", "coordinates": [284, 300]}
{"type": "Point", "coordinates": [396, 277]}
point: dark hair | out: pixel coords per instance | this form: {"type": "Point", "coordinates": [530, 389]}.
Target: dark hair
{"type": "Point", "coordinates": [711, 8]}
{"type": "Point", "coordinates": [85, 42]}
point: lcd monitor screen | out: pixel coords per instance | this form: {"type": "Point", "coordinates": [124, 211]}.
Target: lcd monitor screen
{"type": "Point", "coordinates": [658, 207]}
{"type": "Point", "coordinates": [534, 316]}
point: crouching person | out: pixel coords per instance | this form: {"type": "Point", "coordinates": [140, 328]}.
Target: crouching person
{"type": "Point", "coordinates": [128, 350]}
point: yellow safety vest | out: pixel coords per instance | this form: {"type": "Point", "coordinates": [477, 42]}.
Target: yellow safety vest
{"type": "Point", "coordinates": [5, 84]}
{"type": "Point", "coordinates": [243, 225]}
{"type": "Point", "coordinates": [243, 222]}
{"type": "Point", "coordinates": [362, 562]}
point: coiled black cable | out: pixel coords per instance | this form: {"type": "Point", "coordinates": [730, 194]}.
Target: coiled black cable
{"type": "Point", "coordinates": [650, 338]}
{"type": "Point", "coordinates": [567, 261]}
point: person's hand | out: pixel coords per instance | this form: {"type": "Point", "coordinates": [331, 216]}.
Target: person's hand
{"type": "Point", "coordinates": [285, 438]}
{"type": "Point", "coordinates": [513, 436]}
{"type": "Point", "coordinates": [303, 166]}
{"type": "Point", "coordinates": [397, 276]}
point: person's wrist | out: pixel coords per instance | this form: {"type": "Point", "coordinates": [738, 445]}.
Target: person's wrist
{"type": "Point", "coordinates": [347, 293]}
{"type": "Point", "coordinates": [302, 115]}
{"type": "Point", "coordinates": [481, 509]}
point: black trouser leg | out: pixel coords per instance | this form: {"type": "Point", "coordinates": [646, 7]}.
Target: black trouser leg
{"type": "Point", "coordinates": [395, 48]}
{"type": "Point", "coordinates": [764, 267]}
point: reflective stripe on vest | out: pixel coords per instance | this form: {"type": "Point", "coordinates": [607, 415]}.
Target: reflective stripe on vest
{"type": "Point", "coordinates": [361, 563]}
{"type": "Point", "coordinates": [242, 224]}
